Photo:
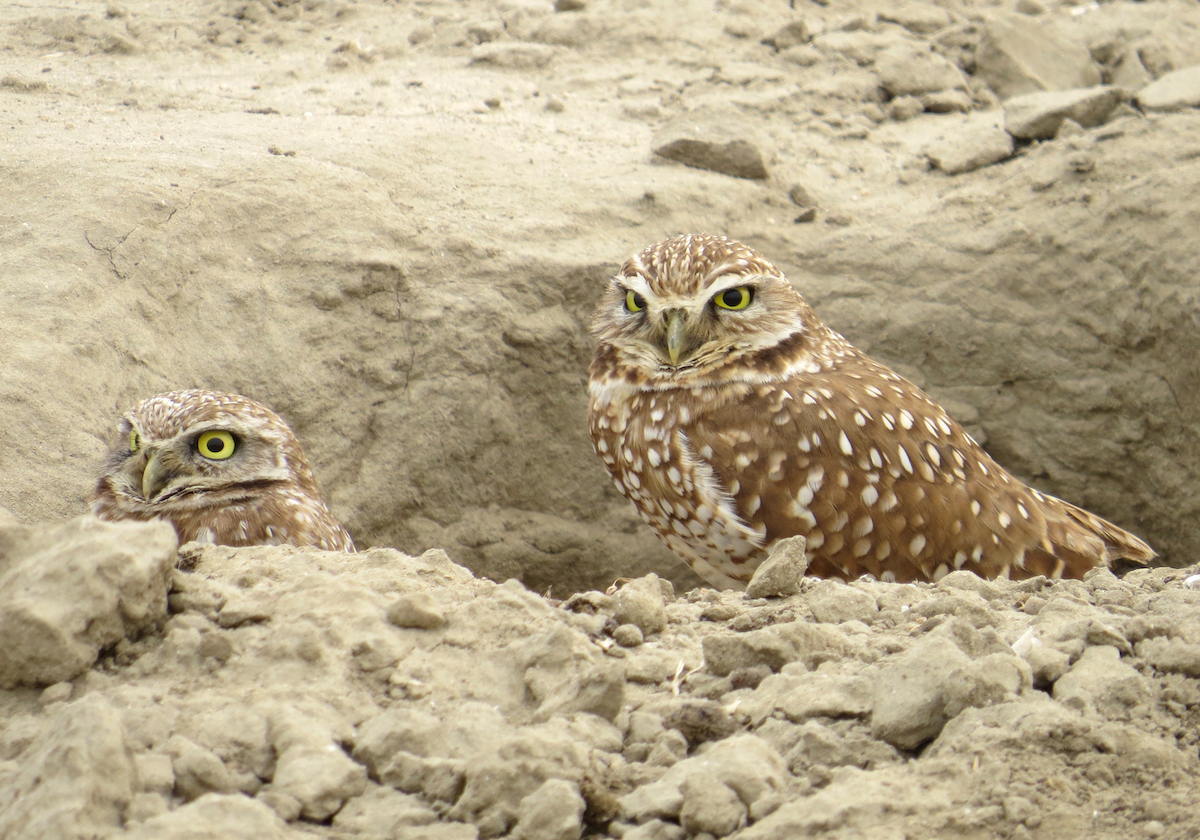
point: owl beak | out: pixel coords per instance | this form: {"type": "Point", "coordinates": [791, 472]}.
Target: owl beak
{"type": "Point", "coordinates": [154, 477]}
{"type": "Point", "coordinates": [676, 333]}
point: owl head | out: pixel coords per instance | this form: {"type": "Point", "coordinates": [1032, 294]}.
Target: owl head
{"type": "Point", "coordinates": [220, 467]}
{"type": "Point", "coordinates": [696, 306]}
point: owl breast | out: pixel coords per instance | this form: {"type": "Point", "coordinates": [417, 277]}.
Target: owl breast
{"type": "Point", "coordinates": [645, 440]}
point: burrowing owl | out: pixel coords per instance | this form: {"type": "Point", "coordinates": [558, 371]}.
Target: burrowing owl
{"type": "Point", "coordinates": [732, 416]}
{"type": "Point", "coordinates": [219, 467]}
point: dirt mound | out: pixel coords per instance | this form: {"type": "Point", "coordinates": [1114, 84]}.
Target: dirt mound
{"type": "Point", "coordinates": [299, 693]}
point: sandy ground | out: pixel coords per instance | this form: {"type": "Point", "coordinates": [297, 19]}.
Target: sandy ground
{"type": "Point", "coordinates": [390, 222]}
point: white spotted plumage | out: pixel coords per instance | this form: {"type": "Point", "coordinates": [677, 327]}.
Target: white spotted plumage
{"type": "Point", "coordinates": [775, 425]}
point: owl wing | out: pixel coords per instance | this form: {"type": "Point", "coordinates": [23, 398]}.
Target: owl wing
{"type": "Point", "coordinates": [880, 480]}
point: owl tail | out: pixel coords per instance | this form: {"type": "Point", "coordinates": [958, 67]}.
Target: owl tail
{"type": "Point", "coordinates": [1079, 541]}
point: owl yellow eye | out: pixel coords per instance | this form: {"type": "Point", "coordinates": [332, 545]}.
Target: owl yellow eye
{"type": "Point", "coordinates": [134, 440]}
{"type": "Point", "coordinates": [738, 298]}
{"type": "Point", "coordinates": [634, 302]}
{"type": "Point", "coordinates": [215, 445]}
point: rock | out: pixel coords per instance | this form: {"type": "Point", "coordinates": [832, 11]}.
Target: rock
{"type": "Point", "coordinates": [993, 679]}
{"type": "Point", "coordinates": [1101, 681]}
{"type": "Point", "coordinates": [514, 56]}
{"type": "Point", "coordinates": [70, 589]}
{"type": "Point", "coordinates": [628, 635]}
{"type": "Point", "coordinates": [1047, 665]}
{"type": "Point", "coordinates": [746, 764]}
{"type": "Point", "coordinates": [1173, 656]}
{"type": "Point", "coordinates": [970, 582]}
{"type": "Point", "coordinates": [789, 35]}
{"type": "Point", "coordinates": [833, 602]}
{"type": "Point", "coordinates": [640, 602]}
{"type": "Point", "coordinates": [197, 771]}
{"type": "Point", "coordinates": [825, 695]}
{"type": "Point", "coordinates": [214, 816]}
{"type": "Point", "coordinates": [712, 138]}
{"type": "Point", "coordinates": [552, 812]}
{"type": "Point", "coordinates": [910, 702]}
{"type": "Point", "coordinates": [947, 102]}
{"type": "Point", "coordinates": [780, 574]}
{"type": "Point", "coordinates": [497, 785]}
{"type": "Point", "coordinates": [921, 18]}
{"type": "Point", "coordinates": [819, 745]}
{"type": "Point", "coordinates": [979, 141]}
{"type": "Point", "coordinates": [155, 773]}
{"type": "Point", "coordinates": [382, 810]}
{"type": "Point", "coordinates": [655, 830]}
{"type": "Point", "coordinates": [1173, 91]}
{"type": "Point", "coordinates": [905, 108]}
{"type": "Point", "coordinates": [775, 647]}
{"type": "Point", "coordinates": [1038, 116]}
{"type": "Point", "coordinates": [145, 806]}
{"type": "Point", "coordinates": [700, 721]}
{"type": "Point", "coordinates": [1019, 55]}
{"type": "Point", "coordinates": [311, 767]}
{"type": "Point", "coordinates": [439, 831]}
{"type": "Point", "coordinates": [710, 806]}
{"type": "Point", "coordinates": [906, 70]}
{"type": "Point", "coordinates": [73, 780]}
{"type": "Point", "coordinates": [418, 610]}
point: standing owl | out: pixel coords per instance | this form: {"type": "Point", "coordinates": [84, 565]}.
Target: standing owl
{"type": "Point", "coordinates": [732, 416]}
{"type": "Point", "coordinates": [221, 468]}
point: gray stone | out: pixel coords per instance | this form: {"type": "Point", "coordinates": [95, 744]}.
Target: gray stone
{"type": "Point", "coordinates": [1173, 91]}
{"type": "Point", "coordinates": [1018, 55]}
{"type": "Point", "coordinates": [70, 589]}
{"type": "Point", "coordinates": [382, 810]}
{"type": "Point", "coordinates": [197, 771]}
{"type": "Point", "coordinates": [833, 602]}
{"type": "Point", "coordinates": [155, 773]}
{"type": "Point", "coordinates": [724, 654]}
{"type": "Point", "coordinates": [214, 816]}
{"type": "Point", "coordinates": [74, 779]}
{"type": "Point", "coordinates": [1172, 656]}
{"type": "Point", "coordinates": [628, 635]}
{"type": "Point", "coordinates": [716, 139]}
{"type": "Point", "coordinates": [1037, 116]}
{"type": "Point", "coordinates": [145, 806]}
{"type": "Point", "coordinates": [710, 806]}
{"type": "Point", "coordinates": [780, 574]}
{"type": "Point", "coordinates": [909, 706]}
{"type": "Point", "coordinates": [817, 744]}
{"type": "Point", "coordinates": [947, 102]}
{"type": "Point", "coordinates": [905, 108]}
{"type": "Point", "coordinates": [789, 35]}
{"type": "Point", "coordinates": [906, 70]}
{"type": "Point", "coordinates": [993, 679]}
{"type": "Point", "coordinates": [418, 610]}
{"type": "Point", "coordinates": [745, 763]}
{"type": "Point", "coordinates": [1047, 664]}
{"type": "Point", "coordinates": [512, 55]}
{"type": "Point", "coordinates": [825, 695]}
{"type": "Point", "coordinates": [311, 767]}
{"type": "Point", "coordinates": [640, 602]}
{"type": "Point", "coordinates": [976, 141]}
{"type": "Point", "coordinates": [1101, 681]}
{"type": "Point", "coordinates": [655, 830]}
{"type": "Point", "coordinates": [552, 812]}
{"type": "Point", "coordinates": [921, 18]}
{"type": "Point", "coordinates": [970, 582]}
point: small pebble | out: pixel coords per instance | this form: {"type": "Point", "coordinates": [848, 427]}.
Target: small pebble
{"type": "Point", "coordinates": [628, 635]}
{"type": "Point", "coordinates": [57, 693]}
{"type": "Point", "coordinates": [416, 610]}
